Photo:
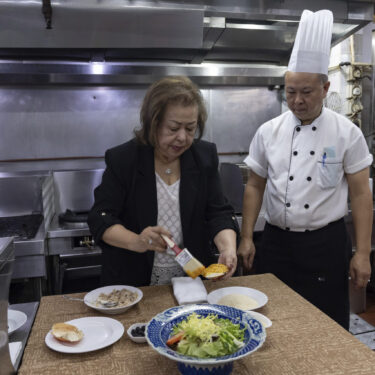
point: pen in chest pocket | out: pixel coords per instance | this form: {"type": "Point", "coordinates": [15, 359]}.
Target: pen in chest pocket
{"type": "Point", "coordinates": [324, 157]}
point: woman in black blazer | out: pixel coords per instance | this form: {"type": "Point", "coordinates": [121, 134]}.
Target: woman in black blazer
{"type": "Point", "coordinates": [135, 201]}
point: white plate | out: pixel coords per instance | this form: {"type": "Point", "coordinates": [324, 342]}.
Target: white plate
{"type": "Point", "coordinates": [258, 296]}
{"type": "Point", "coordinates": [16, 319]}
{"type": "Point", "coordinates": [262, 318]}
{"type": "Point", "coordinates": [92, 296]}
{"type": "Point", "coordinates": [98, 332]}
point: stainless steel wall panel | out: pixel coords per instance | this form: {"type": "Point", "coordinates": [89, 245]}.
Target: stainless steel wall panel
{"type": "Point", "coordinates": [236, 113]}
{"type": "Point", "coordinates": [60, 122]}
{"type": "Point", "coordinates": [74, 189]}
{"type": "Point", "coordinates": [66, 122]}
{"type": "Point", "coordinates": [20, 196]}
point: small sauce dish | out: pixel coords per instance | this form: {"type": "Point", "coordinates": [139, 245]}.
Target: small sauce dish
{"type": "Point", "coordinates": [136, 332]}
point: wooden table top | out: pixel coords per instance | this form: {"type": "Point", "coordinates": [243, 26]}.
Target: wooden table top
{"type": "Point", "coordinates": [301, 340]}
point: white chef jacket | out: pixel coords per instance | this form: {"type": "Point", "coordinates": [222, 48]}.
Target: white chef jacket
{"type": "Point", "coordinates": [305, 168]}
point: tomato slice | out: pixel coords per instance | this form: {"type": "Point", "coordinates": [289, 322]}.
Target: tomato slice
{"type": "Point", "coordinates": [175, 338]}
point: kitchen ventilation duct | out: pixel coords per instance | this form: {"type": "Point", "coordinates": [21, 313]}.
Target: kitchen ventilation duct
{"type": "Point", "coordinates": [243, 39]}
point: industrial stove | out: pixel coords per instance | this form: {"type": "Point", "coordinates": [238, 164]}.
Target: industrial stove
{"type": "Point", "coordinates": [74, 257]}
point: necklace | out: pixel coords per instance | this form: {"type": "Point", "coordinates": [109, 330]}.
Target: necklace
{"type": "Point", "coordinates": [168, 171]}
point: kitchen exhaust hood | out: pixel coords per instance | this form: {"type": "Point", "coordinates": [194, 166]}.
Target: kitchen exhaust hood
{"type": "Point", "coordinates": [211, 38]}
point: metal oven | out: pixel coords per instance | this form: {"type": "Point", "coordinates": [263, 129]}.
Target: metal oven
{"type": "Point", "coordinates": [74, 259]}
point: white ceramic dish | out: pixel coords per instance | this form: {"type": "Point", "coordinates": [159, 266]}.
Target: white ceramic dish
{"type": "Point", "coordinates": [255, 294]}
{"type": "Point", "coordinates": [267, 323]}
{"type": "Point", "coordinates": [92, 296]}
{"type": "Point", "coordinates": [98, 332]}
{"type": "Point", "coordinates": [16, 319]}
{"type": "Point", "coordinates": [137, 339]}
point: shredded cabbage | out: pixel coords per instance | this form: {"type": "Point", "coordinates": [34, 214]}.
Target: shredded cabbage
{"type": "Point", "coordinates": [210, 336]}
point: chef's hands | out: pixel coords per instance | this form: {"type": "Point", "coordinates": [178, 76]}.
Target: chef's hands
{"type": "Point", "coordinates": [360, 269]}
{"type": "Point", "coordinates": [150, 239]}
{"type": "Point", "coordinates": [246, 251]}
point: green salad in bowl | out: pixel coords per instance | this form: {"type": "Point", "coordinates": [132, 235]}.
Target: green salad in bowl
{"type": "Point", "coordinates": [206, 336]}
{"type": "Point", "coordinates": [205, 339]}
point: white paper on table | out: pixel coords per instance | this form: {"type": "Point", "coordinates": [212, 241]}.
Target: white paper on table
{"type": "Point", "coordinates": [188, 290]}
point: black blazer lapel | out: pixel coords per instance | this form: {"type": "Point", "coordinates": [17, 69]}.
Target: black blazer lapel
{"type": "Point", "coordinates": [189, 190]}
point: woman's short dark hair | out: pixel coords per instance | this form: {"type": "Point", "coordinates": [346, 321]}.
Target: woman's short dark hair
{"type": "Point", "coordinates": [169, 90]}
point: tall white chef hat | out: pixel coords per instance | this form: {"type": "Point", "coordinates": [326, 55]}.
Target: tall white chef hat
{"type": "Point", "coordinates": [313, 42]}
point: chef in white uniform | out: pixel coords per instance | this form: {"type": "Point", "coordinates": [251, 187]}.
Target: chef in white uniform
{"type": "Point", "coordinates": [309, 157]}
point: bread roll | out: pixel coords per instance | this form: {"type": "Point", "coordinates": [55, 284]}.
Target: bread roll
{"type": "Point", "coordinates": [214, 270]}
{"type": "Point", "coordinates": [66, 332]}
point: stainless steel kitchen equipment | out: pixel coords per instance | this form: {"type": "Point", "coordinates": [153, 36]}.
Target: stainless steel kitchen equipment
{"type": "Point", "coordinates": [6, 268]}
{"type": "Point", "coordinates": [189, 31]}
{"type": "Point", "coordinates": [9, 364]}
{"type": "Point", "coordinates": [25, 210]}
{"type": "Point", "coordinates": [71, 249]}
{"type": "Point", "coordinates": [83, 78]}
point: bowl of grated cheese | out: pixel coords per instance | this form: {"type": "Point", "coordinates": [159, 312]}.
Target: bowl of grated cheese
{"type": "Point", "coordinates": [238, 297]}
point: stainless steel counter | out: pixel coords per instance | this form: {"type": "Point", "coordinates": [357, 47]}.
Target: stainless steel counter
{"type": "Point", "coordinates": [33, 246]}
{"type": "Point", "coordinates": [30, 256]}
{"type": "Point", "coordinates": [5, 242]}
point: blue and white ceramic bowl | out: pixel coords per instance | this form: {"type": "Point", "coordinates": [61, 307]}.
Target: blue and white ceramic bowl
{"type": "Point", "coordinates": [159, 330]}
